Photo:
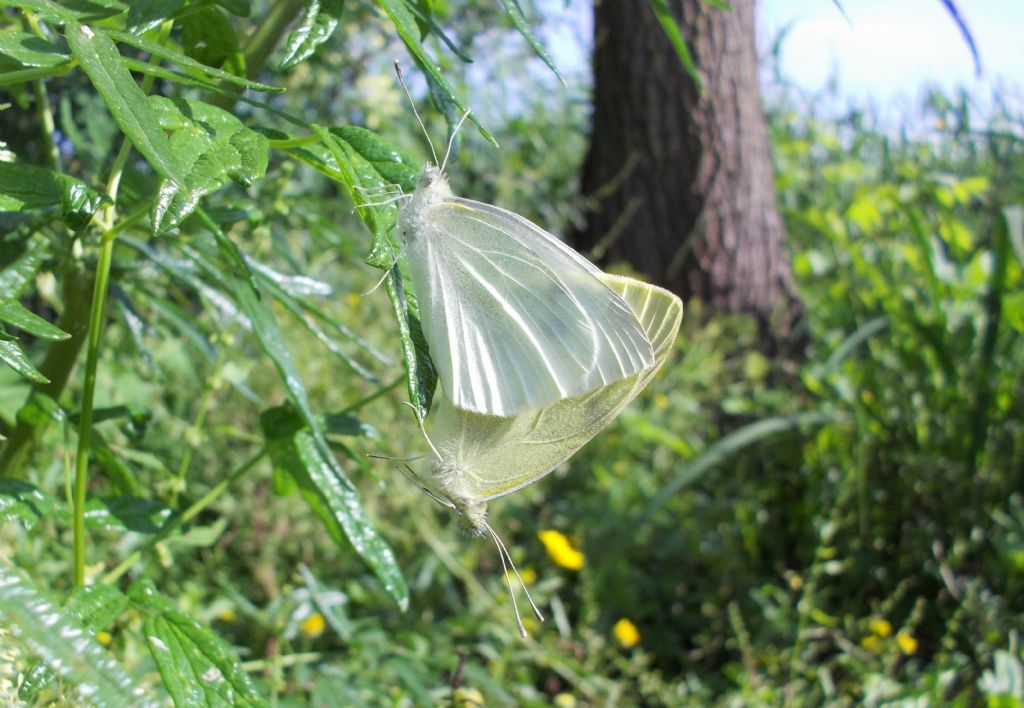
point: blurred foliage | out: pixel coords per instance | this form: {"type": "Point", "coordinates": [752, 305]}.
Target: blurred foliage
{"type": "Point", "coordinates": [848, 528]}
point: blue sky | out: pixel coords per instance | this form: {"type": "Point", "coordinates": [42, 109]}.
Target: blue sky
{"type": "Point", "coordinates": [891, 48]}
{"type": "Point", "coordinates": [886, 53]}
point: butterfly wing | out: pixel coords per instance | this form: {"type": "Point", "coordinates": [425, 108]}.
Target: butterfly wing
{"type": "Point", "coordinates": [488, 456]}
{"type": "Point", "coordinates": [515, 319]}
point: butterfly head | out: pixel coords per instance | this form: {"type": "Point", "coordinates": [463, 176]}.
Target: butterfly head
{"type": "Point", "coordinates": [431, 187]}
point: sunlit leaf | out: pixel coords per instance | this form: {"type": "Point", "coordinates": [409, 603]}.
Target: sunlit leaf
{"type": "Point", "coordinates": [317, 25]}
{"type": "Point", "coordinates": [15, 314]}
{"type": "Point", "coordinates": [28, 187]}
{"type": "Point", "coordinates": [331, 484]}
{"type": "Point", "coordinates": [296, 453]}
{"type": "Point", "coordinates": [444, 95]}
{"type": "Point", "coordinates": [126, 102]}
{"type": "Point", "coordinates": [186, 62]}
{"type": "Point", "coordinates": [213, 146]}
{"type": "Point", "coordinates": [31, 50]}
{"type": "Point", "coordinates": [198, 668]}
{"type": "Point", "coordinates": [21, 502]}
{"type": "Point", "coordinates": [519, 21]}
{"type": "Point", "coordinates": [57, 637]}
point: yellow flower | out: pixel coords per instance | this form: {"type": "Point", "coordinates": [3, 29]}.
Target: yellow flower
{"type": "Point", "coordinates": [226, 615]}
{"type": "Point", "coordinates": [313, 626]}
{"type": "Point", "coordinates": [661, 402]}
{"type": "Point", "coordinates": [795, 581]}
{"type": "Point", "coordinates": [353, 300]}
{"type": "Point", "coordinates": [103, 638]}
{"type": "Point", "coordinates": [870, 642]}
{"type": "Point", "coordinates": [880, 627]}
{"type": "Point", "coordinates": [626, 632]}
{"type": "Point", "coordinates": [565, 700]}
{"type": "Point", "coordinates": [465, 697]}
{"type": "Point", "coordinates": [561, 550]}
{"type": "Point", "coordinates": [906, 642]}
{"type": "Point", "coordinates": [528, 575]}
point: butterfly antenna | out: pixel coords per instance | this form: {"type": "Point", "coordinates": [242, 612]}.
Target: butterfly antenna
{"type": "Point", "coordinates": [382, 278]}
{"type": "Point", "coordinates": [401, 80]}
{"type": "Point", "coordinates": [423, 429]}
{"type": "Point", "coordinates": [451, 140]}
{"type": "Point", "coordinates": [389, 458]}
{"type": "Point", "coordinates": [418, 481]}
{"type": "Point", "coordinates": [506, 562]}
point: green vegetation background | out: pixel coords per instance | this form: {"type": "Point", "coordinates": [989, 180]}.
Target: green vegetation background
{"type": "Point", "coordinates": [846, 528]}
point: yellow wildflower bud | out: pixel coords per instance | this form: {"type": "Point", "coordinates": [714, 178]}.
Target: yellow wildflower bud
{"type": "Point", "coordinates": [880, 627]}
{"type": "Point", "coordinates": [313, 626]}
{"type": "Point", "coordinates": [796, 581]}
{"type": "Point", "coordinates": [560, 549]}
{"type": "Point", "coordinates": [565, 700]}
{"type": "Point", "coordinates": [226, 615]}
{"type": "Point", "coordinates": [467, 697]}
{"type": "Point", "coordinates": [626, 632]}
{"type": "Point", "coordinates": [870, 642]}
{"type": "Point", "coordinates": [103, 638]}
{"type": "Point", "coordinates": [906, 642]}
{"type": "Point", "coordinates": [528, 576]}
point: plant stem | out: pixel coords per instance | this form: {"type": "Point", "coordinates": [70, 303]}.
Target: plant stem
{"type": "Point", "coordinates": [46, 124]}
{"type": "Point", "coordinates": [190, 513]}
{"type": "Point", "coordinates": [99, 298]}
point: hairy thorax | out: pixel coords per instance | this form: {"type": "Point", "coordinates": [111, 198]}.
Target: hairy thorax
{"type": "Point", "coordinates": [431, 188]}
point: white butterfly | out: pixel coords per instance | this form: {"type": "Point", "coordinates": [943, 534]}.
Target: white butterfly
{"type": "Point", "coordinates": [515, 320]}
{"type": "Point", "coordinates": [481, 457]}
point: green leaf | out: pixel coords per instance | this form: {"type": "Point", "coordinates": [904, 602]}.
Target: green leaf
{"type": "Point", "coordinates": [365, 185]}
{"type": "Point", "coordinates": [20, 270]}
{"type": "Point", "coordinates": [422, 376]}
{"type": "Point", "coordinates": [29, 187]}
{"type": "Point", "coordinates": [96, 607]}
{"type": "Point", "coordinates": [24, 503]}
{"type": "Point", "coordinates": [12, 355]}
{"type": "Point", "coordinates": [332, 485]}
{"type": "Point", "coordinates": [675, 36]}
{"type": "Point", "coordinates": [15, 314]}
{"type": "Point", "coordinates": [67, 11]}
{"type": "Point", "coordinates": [723, 448]}
{"type": "Point", "coordinates": [40, 409]}
{"type": "Point", "coordinates": [209, 37]}
{"type": "Point", "coordinates": [126, 514]}
{"type": "Point", "coordinates": [116, 471]}
{"type": "Point", "coordinates": [126, 102]}
{"type": "Point", "coordinates": [388, 160]}
{"type": "Point", "coordinates": [213, 146]}
{"type": "Point", "coordinates": [296, 453]}
{"type": "Point", "coordinates": [31, 50]}
{"type": "Point", "coordinates": [363, 178]}
{"type": "Point", "coordinates": [149, 14]}
{"type": "Point", "coordinates": [515, 14]}
{"type": "Point", "coordinates": [309, 316]}
{"type": "Point", "coordinates": [186, 62]}
{"type": "Point", "coordinates": [57, 637]}
{"type": "Point", "coordinates": [317, 25]}
{"type": "Point", "coordinates": [198, 668]}
{"type": "Point", "coordinates": [444, 95]}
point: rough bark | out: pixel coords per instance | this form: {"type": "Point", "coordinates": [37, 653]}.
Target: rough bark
{"type": "Point", "coordinates": [679, 179]}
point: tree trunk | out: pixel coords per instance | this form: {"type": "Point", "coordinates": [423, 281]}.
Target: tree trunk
{"type": "Point", "coordinates": [679, 179]}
